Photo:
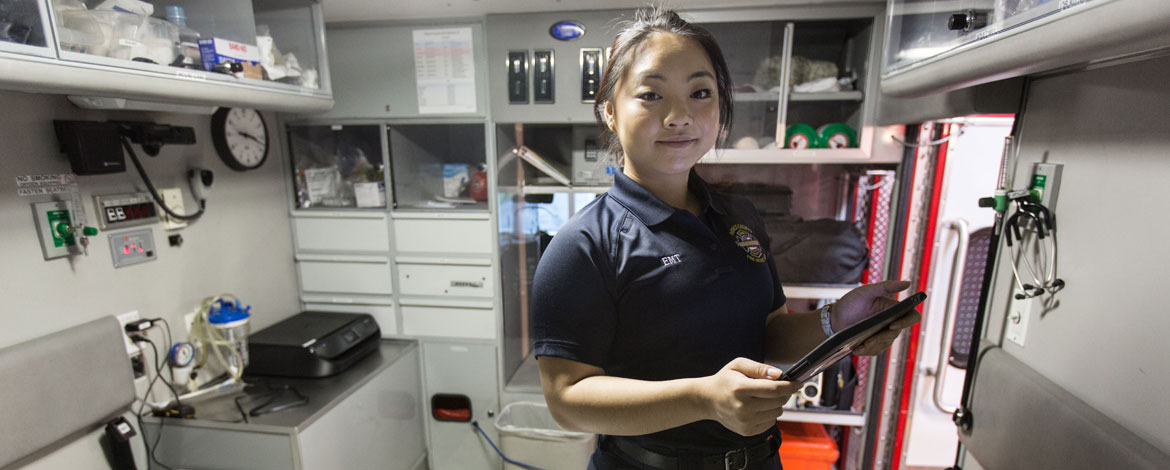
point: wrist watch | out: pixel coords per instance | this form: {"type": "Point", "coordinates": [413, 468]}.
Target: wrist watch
{"type": "Point", "coordinates": [826, 324]}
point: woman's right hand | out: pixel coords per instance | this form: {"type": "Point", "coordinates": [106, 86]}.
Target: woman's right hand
{"type": "Point", "coordinates": [745, 396]}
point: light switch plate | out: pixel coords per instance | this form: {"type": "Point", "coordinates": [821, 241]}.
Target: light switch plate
{"type": "Point", "coordinates": [173, 197]}
{"type": "Point", "coordinates": [1017, 319]}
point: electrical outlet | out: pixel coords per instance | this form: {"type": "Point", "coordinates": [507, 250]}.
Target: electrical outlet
{"type": "Point", "coordinates": [125, 318]}
{"type": "Point", "coordinates": [1019, 310]}
{"type": "Point", "coordinates": [1046, 181]}
{"type": "Point", "coordinates": [173, 198]}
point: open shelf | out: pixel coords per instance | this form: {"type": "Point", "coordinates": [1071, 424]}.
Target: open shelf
{"type": "Point", "coordinates": [830, 417]}
{"type": "Point", "coordinates": [827, 96]}
{"type": "Point", "coordinates": [791, 156]}
{"type": "Point", "coordinates": [817, 291]}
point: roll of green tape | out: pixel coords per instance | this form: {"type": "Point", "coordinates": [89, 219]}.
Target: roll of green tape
{"type": "Point", "coordinates": [800, 136]}
{"type": "Point", "coordinates": [837, 136]}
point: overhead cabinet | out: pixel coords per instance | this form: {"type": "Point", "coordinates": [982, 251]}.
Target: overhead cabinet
{"type": "Point", "coordinates": [935, 46]}
{"type": "Point", "coordinates": [802, 85]}
{"type": "Point", "coordinates": [379, 69]}
{"type": "Point", "coordinates": [143, 54]}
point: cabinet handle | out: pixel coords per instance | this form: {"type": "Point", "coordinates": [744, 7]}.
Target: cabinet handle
{"type": "Point", "coordinates": [466, 284]}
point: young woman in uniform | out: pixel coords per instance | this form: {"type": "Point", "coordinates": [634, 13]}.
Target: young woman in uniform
{"type": "Point", "coordinates": [658, 307]}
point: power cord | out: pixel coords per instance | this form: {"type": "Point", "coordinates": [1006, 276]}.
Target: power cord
{"type": "Point", "coordinates": [157, 375]}
{"type": "Point", "coordinates": [154, 193]}
{"type": "Point", "coordinates": [475, 424]}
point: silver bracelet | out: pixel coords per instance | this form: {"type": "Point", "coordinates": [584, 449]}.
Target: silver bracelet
{"type": "Point", "coordinates": [826, 323]}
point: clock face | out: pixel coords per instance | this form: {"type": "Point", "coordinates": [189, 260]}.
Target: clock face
{"type": "Point", "coordinates": [241, 138]}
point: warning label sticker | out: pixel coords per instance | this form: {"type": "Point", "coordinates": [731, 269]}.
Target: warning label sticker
{"type": "Point", "coordinates": [37, 185]}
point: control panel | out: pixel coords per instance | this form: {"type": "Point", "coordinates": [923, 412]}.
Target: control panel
{"type": "Point", "coordinates": [116, 211]}
{"type": "Point", "coordinates": [592, 64]}
{"type": "Point", "coordinates": [133, 247]}
{"type": "Point", "coordinates": [517, 77]}
{"type": "Point", "coordinates": [54, 228]}
{"type": "Point", "coordinates": [543, 77]}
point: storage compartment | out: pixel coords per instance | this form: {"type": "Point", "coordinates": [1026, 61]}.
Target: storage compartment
{"type": "Point", "coordinates": [445, 280]}
{"type": "Point", "coordinates": [345, 274]}
{"type": "Point", "coordinates": [338, 165]}
{"type": "Point", "coordinates": [439, 166]}
{"type": "Point", "coordinates": [20, 24]}
{"type": "Point", "coordinates": [462, 370]}
{"type": "Point", "coordinates": [341, 234]}
{"type": "Point", "coordinates": [806, 446]}
{"type": "Point", "coordinates": [450, 322]}
{"type": "Point", "coordinates": [443, 235]}
{"type": "Point", "coordinates": [383, 314]}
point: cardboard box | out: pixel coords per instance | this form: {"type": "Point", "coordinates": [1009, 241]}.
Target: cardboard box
{"type": "Point", "coordinates": [217, 51]}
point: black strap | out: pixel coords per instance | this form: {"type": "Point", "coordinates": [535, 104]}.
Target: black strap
{"type": "Point", "coordinates": [737, 459]}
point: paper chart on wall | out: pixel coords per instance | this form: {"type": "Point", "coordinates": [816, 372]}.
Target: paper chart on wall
{"type": "Point", "coordinates": [444, 70]}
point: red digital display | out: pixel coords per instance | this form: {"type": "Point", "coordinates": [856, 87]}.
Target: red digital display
{"type": "Point", "coordinates": [130, 212]}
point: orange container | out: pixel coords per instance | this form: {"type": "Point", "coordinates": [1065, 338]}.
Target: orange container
{"type": "Point", "coordinates": [806, 446]}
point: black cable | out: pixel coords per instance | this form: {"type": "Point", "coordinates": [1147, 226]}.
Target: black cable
{"type": "Point", "coordinates": [157, 375]}
{"type": "Point", "coordinates": [146, 179]}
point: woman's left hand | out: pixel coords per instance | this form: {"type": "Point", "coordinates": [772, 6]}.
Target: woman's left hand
{"type": "Point", "coordinates": [858, 304]}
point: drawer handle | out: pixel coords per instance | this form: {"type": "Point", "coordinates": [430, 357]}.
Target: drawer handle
{"type": "Point", "coordinates": [466, 284]}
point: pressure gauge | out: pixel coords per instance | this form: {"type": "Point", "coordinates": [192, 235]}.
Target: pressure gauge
{"type": "Point", "coordinates": [182, 354]}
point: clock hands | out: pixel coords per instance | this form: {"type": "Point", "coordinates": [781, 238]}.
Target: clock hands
{"type": "Point", "coordinates": [250, 136]}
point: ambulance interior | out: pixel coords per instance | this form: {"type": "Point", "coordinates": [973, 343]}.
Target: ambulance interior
{"type": "Point", "coordinates": [302, 235]}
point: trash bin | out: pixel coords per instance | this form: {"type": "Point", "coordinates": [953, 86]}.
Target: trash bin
{"type": "Point", "coordinates": [529, 435]}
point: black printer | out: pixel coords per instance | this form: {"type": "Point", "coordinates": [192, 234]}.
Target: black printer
{"type": "Point", "coordinates": [312, 344]}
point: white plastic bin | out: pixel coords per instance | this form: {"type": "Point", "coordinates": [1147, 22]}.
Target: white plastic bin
{"type": "Point", "coordinates": [529, 435]}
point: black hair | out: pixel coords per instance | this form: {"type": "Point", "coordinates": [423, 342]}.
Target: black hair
{"type": "Point", "coordinates": [633, 32]}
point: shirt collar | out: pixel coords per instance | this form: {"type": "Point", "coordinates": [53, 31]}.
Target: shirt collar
{"type": "Point", "coordinates": [652, 210]}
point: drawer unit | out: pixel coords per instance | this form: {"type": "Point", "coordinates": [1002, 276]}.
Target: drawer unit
{"type": "Point", "coordinates": [446, 280]}
{"type": "Point", "coordinates": [443, 235]}
{"type": "Point", "coordinates": [345, 274]}
{"type": "Point", "coordinates": [452, 319]}
{"type": "Point", "coordinates": [342, 233]}
{"type": "Point", "coordinates": [381, 308]}
{"type": "Point", "coordinates": [461, 372]}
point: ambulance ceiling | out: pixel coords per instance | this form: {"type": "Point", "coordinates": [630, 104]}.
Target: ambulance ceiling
{"type": "Point", "coordinates": [378, 10]}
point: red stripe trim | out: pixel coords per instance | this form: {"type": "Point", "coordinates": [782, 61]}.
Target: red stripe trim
{"type": "Point", "coordinates": [923, 280]}
{"type": "Point", "coordinates": [909, 179]}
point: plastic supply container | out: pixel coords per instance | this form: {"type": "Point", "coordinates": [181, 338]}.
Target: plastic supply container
{"type": "Point", "coordinates": [130, 36]}
{"type": "Point", "coordinates": [188, 38]}
{"type": "Point", "coordinates": [231, 322]}
{"type": "Point", "coordinates": [529, 435]}
{"type": "Point", "coordinates": [806, 446]}
{"type": "Point", "coordinates": [79, 31]}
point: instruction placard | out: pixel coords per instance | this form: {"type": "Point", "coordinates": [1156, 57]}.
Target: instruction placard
{"type": "Point", "coordinates": [38, 185]}
{"type": "Point", "coordinates": [444, 70]}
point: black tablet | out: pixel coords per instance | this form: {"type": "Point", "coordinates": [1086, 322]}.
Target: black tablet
{"type": "Point", "coordinates": [845, 341]}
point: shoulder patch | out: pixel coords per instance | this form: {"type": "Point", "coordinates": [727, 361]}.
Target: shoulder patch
{"type": "Point", "coordinates": [747, 240]}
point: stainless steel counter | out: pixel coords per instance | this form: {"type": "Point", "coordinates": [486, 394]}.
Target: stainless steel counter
{"type": "Point", "coordinates": [378, 395]}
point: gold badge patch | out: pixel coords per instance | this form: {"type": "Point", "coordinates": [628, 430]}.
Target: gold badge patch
{"type": "Point", "coordinates": [747, 240]}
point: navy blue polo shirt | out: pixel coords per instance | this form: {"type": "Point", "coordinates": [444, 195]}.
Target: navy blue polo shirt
{"type": "Point", "coordinates": [647, 291]}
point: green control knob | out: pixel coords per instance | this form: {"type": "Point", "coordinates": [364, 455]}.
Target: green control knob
{"type": "Point", "coordinates": [89, 231]}
{"type": "Point", "coordinates": [986, 202]}
{"type": "Point", "coordinates": [63, 229]}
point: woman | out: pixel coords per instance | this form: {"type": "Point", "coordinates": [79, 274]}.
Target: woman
{"type": "Point", "coordinates": [657, 306]}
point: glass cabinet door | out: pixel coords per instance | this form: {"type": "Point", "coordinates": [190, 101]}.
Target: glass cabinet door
{"type": "Point", "coordinates": [754, 51]}
{"type": "Point", "coordinates": [438, 166]}
{"type": "Point", "coordinates": [270, 41]}
{"type": "Point", "coordinates": [336, 166]}
{"type": "Point", "coordinates": [23, 27]}
{"type": "Point", "coordinates": [923, 29]}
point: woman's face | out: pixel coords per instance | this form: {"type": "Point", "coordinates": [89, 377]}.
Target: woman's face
{"type": "Point", "coordinates": [665, 108]}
